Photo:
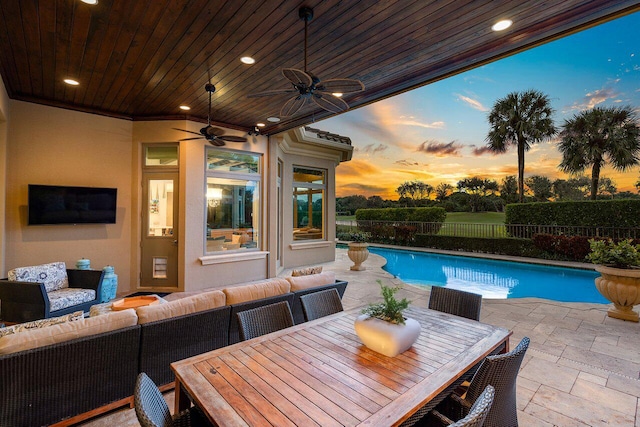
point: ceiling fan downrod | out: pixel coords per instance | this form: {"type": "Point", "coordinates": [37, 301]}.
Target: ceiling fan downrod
{"type": "Point", "coordinates": [306, 14]}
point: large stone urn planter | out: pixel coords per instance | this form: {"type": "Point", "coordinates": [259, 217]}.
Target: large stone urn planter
{"type": "Point", "coordinates": [389, 339]}
{"type": "Point", "coordinates": [358, 253]}
{"type": "Point", "coordinates": [621, 286]}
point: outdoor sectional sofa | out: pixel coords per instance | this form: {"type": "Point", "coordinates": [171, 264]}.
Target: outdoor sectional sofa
{"type": "Point", "coordinates": [72, 371]}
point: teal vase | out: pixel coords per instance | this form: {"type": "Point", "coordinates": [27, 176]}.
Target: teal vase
{"type": "Point", "coordinates": [109, 284]}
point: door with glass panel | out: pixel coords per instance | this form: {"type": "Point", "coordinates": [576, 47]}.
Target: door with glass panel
{"type": "Point", "coordinates": [159, 240]}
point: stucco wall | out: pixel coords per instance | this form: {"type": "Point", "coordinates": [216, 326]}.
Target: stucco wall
{"type": "Point", "coordinates": [49, 145]}
{"type": "Point", "coordinates": [5, 115]}
{"type": "Point", "coordinates": [227, 269]}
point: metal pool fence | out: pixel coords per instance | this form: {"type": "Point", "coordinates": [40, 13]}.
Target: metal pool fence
{"type": "Point", "coordinates": [401, 230]}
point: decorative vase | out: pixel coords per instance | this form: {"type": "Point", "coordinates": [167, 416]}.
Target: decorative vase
{"type": "Point", "coordinates": [358, 253]}
{"type": "Point", "coordinates": [621, 286]}
{"type": "Point", "coordinates": [83, 264]}
{"type": "Point", "coordinates": [109, 284]}
{"type": "Point", "coordinates": [389, 339]}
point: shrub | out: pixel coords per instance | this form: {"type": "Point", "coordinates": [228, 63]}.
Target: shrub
{"type": "Point", "coordinates": [503, 246]}
{"type": "Point", "coordinates": [572, 247]}
{"type": "Point", "coordinates": [432, 214]}
{"type": "Point", "coordinates": [594, 213]}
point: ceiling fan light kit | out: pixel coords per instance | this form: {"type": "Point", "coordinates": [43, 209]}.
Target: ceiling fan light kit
{"type": "Point", "coordinates": [214, 135]}
{"type": "Point", "coordinates": [306, 86]}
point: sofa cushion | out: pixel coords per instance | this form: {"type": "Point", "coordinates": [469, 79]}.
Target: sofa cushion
{"type": "Point", "coordinates": [180, 307]}
{"type": "Point", "coordinates": [306, 271]}
{"type": "Point", "coordinates": [67, 331]}
{"type": "Point", "coordinates": [311, 281]}
{"type": "Point", "coordinates": [53, 275]}
{"type": "Point", "coordinates": [259, 290]}
{"type": "Point", "coordinates": [67, 297]}
{"type": "Point", "coordinates": [41, 323]}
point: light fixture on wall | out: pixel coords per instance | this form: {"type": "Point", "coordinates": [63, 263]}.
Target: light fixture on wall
{"type": "Point", "coordinates": [214, 196]}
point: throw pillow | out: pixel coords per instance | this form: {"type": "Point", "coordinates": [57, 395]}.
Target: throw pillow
{"type": "Point", "coordinates": [306, 271]}
{"type": "Point", "coordinates": [41, 323]}
{"type": "Point", "coordinates": [53, 275]}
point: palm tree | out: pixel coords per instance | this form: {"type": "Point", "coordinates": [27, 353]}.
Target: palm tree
{"type": "Point", "coordinates": [597, 136]}
{"type": "Point", "coordinates": [520, 119]}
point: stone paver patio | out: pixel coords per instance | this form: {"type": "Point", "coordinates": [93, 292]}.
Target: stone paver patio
{"type": "Point", "coordinates": [582, 367]}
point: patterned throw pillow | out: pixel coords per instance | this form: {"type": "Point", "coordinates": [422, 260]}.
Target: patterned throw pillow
{"type": "Point", "coordinates": [41, 323]}
{"type": "Point", "coordinates": [53, 275]}
{"type": "Point", "coordinates": [307, 271]}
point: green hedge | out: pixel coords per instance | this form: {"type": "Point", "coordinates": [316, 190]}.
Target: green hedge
{"type": "Point", "coordinates": [593, 213]}
{"type": "Point", "coordinates": [402, 214]}
{"type": "Point", "coordinates": [503, 246]}
{"type": "Point", "coordinates": [603, 214]}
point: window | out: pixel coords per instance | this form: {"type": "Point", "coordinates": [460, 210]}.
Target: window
{"type": "Point", "coordinates": [233, 200]}
{"type": "Point", "coordinates": [309, 187]}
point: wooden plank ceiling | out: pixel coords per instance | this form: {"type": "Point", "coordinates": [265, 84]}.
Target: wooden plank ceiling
{"type": "Point", "coordinates": [141, 59]}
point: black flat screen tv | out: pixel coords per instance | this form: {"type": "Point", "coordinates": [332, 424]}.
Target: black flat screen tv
{"type": "Point", "coordinates": [56, 204]}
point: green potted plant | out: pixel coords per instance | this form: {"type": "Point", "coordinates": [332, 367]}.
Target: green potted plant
{"type": "Point", "coordinates": [358, 248]}
{"type": "Point", "coordinates": [619, 281]}
{"type": "Point", "coordinates": [383, 328]}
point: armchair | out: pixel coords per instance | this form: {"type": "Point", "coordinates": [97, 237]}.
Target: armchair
{"type": "Point", "coordinates": [25, 297]}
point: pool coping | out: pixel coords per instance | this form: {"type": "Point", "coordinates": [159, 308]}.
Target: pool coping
{"type": "Point", "coordinates": [526, 260]}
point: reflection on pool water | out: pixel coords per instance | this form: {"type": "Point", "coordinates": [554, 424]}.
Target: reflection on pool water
{"type": "Point", "coordinates": [492, 278]}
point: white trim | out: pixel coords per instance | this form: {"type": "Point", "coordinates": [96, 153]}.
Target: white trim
{"type": "Point", "coordinates": [310, 245]}
{"type": "Point", "coordinates": [236, 257]}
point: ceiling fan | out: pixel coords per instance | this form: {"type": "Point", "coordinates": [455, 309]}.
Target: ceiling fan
{"type": "Point", "coordinates": [212, 134]}
{"type": "Point", "coordinates": [325, 93]}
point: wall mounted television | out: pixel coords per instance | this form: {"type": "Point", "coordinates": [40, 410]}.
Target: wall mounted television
{"type": "Point", "coordinates": [57, 204]}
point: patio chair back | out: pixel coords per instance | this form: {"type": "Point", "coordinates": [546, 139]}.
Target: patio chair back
{"type": "Point", "coordinates": [320, 304]}
{"type": "Point", "coordinates": [264, 320]}
{"type": "Point", "coordinates": [479, 411]}
{"type": "Point", "coordinates": [151, 408]}
{"type": "Point", "coordinates": [453, 301]}
{"type": "Point", "coordinates": [501, 372]}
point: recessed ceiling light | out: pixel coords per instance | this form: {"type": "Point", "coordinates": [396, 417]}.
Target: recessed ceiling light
{"type": "Point", "coordinates": [338, 94]}
{"type": "Point", "coordinates": [502, 25]}
{"type": "Point", "coordinates": [260, 125]}
{"type": "Point", "coordinates": [71, 82]}
{"type": "Point", "coordinates": [273, 119]}
{"type": "Point", "coordinates": [90, 1]}
{"type": "Point", "coordinates": [185, 107]}
{"type": "Point", "coordinates": [248, 60]}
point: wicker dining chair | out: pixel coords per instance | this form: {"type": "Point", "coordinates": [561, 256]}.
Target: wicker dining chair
{"type": "Point", "coordinates": [476, 417]}
{"type": "Point", "coordinates": [264, 320]}
{"type": "Point", "coordinates": [501, 372]}
{"type": "Point", "coordinates": [152, 410]}
{"type": "Point", "coordinates": [456, 302]}
{"type": "Point", "coordinates": [320, 304]}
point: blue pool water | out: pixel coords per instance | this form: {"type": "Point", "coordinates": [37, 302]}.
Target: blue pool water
{"type": "Point", "coordinates": [492, 278]}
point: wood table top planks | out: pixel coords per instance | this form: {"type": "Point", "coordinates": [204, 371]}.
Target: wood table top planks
{"type": "Point", "coordinates": [319, 373]}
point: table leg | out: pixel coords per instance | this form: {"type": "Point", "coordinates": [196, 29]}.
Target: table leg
{"type": "Point", "coordinates": [182, 400]}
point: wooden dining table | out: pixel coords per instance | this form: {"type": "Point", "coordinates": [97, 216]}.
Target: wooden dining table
{"type": "Point", "coordinates": [319, 373]}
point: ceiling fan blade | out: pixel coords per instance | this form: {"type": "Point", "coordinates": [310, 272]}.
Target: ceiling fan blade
{"type": "Point", "coordinates": [216, 141]}
{"type": "Point", "coordinates": [189, 139]}
{"type": "Point", "coordinates": [292, 106]}
{"type": "Point", "coordinates": [297, 77]}
{"type": "Point", "coordinates": [232, 138]}
{"type": "Point", "coordinates": [271, 92]}
{"type": "Point", "coordinates": [184, 130]}
{"type": "Point", "coordinates": [330, 102]}
{"type": "Point", "coordinates": [341, 85]}
{"type": "Point", "coordinates": [213, 131]}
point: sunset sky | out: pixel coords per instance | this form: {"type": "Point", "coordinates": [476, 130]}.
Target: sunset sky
{"type": "Point", "coordinates": [437, 133]}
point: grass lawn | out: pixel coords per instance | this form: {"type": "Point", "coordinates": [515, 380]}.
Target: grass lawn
{"type": "Point", "coordinates": [475, 218]}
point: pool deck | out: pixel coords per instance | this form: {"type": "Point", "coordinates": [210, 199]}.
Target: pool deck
{"type": "Point", "coordinates": [582, 367]}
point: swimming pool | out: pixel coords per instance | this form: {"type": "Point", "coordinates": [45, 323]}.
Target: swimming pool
{"type": "Point", "coordinates": [492, 278]}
